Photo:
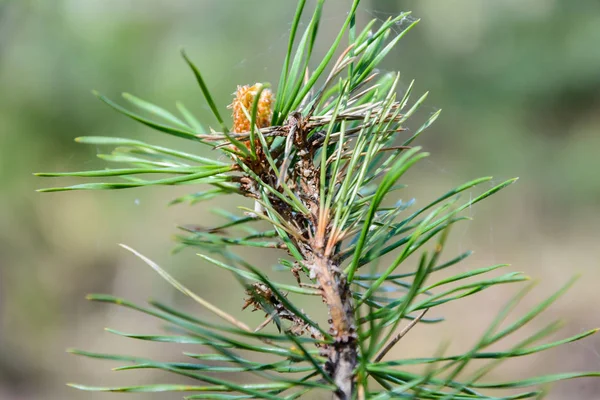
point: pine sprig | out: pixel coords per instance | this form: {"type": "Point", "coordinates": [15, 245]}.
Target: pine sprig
{"type": "Point", "coordinates": [322, 174]}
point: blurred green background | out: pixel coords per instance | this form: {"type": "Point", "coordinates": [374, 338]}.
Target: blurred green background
{"type": "Point", "coordinates": [519, 85]}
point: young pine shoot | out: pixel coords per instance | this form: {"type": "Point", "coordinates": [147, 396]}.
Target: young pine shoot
{"type": "Point", "coordinates": [322, 156]}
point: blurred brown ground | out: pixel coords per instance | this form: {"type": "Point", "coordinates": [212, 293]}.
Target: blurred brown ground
{"type": "Point", "coordinates": [519, 83]}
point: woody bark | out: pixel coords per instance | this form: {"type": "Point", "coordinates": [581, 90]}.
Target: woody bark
{"type": "Point", "coordinates": [342, 355]}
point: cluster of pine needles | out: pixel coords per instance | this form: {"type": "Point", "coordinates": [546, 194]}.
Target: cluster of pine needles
{"type": "Point", "coordinates": [321, 157]}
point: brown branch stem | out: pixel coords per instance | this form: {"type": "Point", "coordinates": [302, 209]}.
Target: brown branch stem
{"type": "Point", "coordinates": [343, 355]}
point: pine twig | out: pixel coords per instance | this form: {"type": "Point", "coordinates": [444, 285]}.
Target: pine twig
{"type": "Point", "coordinates": [399, 336]}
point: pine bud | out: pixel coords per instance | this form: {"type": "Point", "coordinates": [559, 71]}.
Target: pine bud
{"type": "Point", "coordinates": [244, 98]}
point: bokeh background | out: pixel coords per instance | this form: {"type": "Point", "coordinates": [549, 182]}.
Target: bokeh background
{"type": "Point", "coordinates": [519, 85]}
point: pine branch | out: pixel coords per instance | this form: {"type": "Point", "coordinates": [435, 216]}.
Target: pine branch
{"type": "Point", "coordinates": [322, 165]}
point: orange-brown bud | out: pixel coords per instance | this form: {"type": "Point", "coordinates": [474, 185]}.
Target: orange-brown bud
{"type": "Point", "coordinates": [244, 98]}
